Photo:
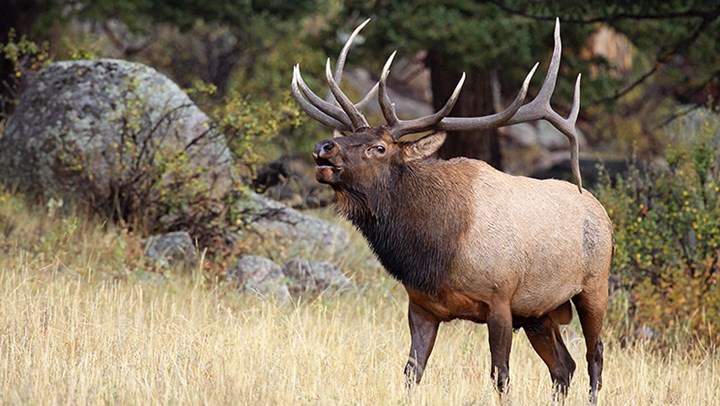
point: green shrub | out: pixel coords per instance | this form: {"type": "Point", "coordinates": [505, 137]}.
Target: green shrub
{"type": "Point", "coordinates": [26, 58]}
{"type": "Point", "coordinates": [667, 234]}
{"type": "Point", "coordinates": [165, 189]}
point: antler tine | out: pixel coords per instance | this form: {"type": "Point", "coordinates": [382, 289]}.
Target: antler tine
{"type": "Point", "coordinates": [327, 111]}
{"type": "Point", "coordinates": [575, 109]}
{"type": "Point", "coordinates": [339, 68]}
{"type": "Point", "coordinates": [387, 107]}
{"type": "Point", "coordinates": [540, 105]}
{"type": "Point", "coordinates": [311, 110]}
{"type": "Point", "coordinates": [539, 108]}
{"type": "Point", "coordinates": [493, 120]}
{"type": "Point", "coordinates": [357, 119]}
{"type": "Point", "coordinates": [318, 105]}
{"type": "Point", "coordinates": [565, 126]}
{"type": "Point", "coordinates": [344, 52]}
{"type": "Point", "coordinates": [403, 127]}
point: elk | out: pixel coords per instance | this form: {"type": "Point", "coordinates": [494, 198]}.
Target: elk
{"type": "Point", "coordinates": [466, 240]}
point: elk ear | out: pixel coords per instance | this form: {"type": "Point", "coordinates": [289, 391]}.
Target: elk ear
{"type": "Point", "coordinates": [424, 147]}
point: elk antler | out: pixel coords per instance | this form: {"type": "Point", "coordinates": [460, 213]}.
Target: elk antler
{"type": "Point", "coordinates": [341, 65]}
{"type": "Point", "coordinates": [398, 127]}
{"type": "Point", "coordinates": [538, 108]}
{"type": "Point", "coordinates": [347, 117]}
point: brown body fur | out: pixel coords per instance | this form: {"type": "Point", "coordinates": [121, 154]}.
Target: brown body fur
{"type": "Point", "coordinates": [534, 243]}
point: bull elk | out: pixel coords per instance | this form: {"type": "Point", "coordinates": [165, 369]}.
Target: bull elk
{"type": "Point", "coordinates": [468, 241]}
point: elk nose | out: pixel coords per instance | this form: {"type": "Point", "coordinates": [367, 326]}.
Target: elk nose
{"type": "Point", "coordinates": [324, 149]}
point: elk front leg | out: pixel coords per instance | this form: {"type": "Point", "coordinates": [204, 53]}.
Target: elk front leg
{"type": "Point", "coordinates": [499, 323]}
{"type": "Point", "coordinates": [423, 330]}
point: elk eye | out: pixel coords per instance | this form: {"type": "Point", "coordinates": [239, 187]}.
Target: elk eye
{"type": "Point", "coordinates": [375, 151]}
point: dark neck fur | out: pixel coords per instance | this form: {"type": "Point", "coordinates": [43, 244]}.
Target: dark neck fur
{"type": "Point", "coordinates": [414, 224]}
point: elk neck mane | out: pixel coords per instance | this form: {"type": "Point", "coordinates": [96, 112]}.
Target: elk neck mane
{"type": "Point", "coordinates": [416, 220]}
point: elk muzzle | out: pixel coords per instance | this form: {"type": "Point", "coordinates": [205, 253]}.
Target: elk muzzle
{"type": "Point", "coordinates": [328, 161]}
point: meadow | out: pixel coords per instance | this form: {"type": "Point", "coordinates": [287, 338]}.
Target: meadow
{"type": "Point", "coordinates": [84, 322]}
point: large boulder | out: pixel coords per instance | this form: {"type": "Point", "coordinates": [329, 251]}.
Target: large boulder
{"type": "Point", "coordinates": [315, 276]}
{"type": "Point", "coordinates": [260, 275]}
{"type": "Point", "coordinates": [126, 142]}
{"type": "Point", "coordinates": [112, 136]}
{"type": "Point", "coordinates": [171, 250]}
{"type": "Point", "coordinates": [299, 277]}
{"type": "Point", "coordinates": [281, 232]}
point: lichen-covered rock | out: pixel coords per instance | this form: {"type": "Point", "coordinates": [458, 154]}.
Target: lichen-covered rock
{"type": "Point", "coordinates": [171, 250]}
{"type": "Point", "coordinates": [260, 275]}
{"type": "Point", "coordinates": [298, 277]}
{"type": "Point", "coordinates": [288, 233]}
{"type": "Point", "coordinates": [87, 132]}
{"type": "Point", "coordinates": [314, 276]}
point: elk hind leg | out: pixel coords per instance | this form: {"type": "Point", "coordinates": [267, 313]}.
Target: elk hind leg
{"type": "Point", "coordinates": [545, 338]}
{"type": "Point", "coordinates": [591, 306]}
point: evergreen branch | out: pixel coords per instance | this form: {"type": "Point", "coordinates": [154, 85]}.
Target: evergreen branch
{"type": "Point", "coordinates": [704, 14]}
{"type": "Point", "coordinates": [662, 60]}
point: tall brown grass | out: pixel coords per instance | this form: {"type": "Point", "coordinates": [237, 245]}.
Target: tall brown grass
{"type": "Point", "coordinates": [82, 322]}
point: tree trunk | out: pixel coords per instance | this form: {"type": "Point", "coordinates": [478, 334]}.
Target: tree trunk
{"type": "Point", "coordinates": [475, 100]}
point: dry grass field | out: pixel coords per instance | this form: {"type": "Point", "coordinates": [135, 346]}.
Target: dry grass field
{"type": "Point", "coordinates": [81, 325]}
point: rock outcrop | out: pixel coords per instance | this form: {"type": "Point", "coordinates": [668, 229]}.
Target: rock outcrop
{"type": "Point", "coordinates": [110, 135]}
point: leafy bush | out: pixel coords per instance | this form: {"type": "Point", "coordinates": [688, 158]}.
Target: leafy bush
{"type": "Point", "coordinates": [667, 238]}
{"type": "Point", "coordinates": [165, 188]}
{"type": "Point", "coordinates": [26, 57]}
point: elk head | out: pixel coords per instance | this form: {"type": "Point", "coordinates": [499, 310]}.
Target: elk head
{"type": "Point", "coordinates": [368, 153]}
{"type": "Point", "coordinates": [372, 154]}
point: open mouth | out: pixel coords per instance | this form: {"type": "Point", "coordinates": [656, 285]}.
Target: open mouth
{"type": "Point", "coordinates": [324, 163]}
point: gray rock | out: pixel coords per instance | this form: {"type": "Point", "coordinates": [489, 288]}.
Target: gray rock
{"type": "Point", "coordinates": [172, 250]}
{"type": "Point", "coordinates": [523, 135]}
{"type": "Point", "coordinates": [260, 275]}
{"type": "Point", "coordinates": [551, 138]}
{"type": "Point", "coordinates": [83, 128]}
{"type": "Point", "coordinates": [289, 233]}
{"type": "Point", "coordinates": [314, 276]}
